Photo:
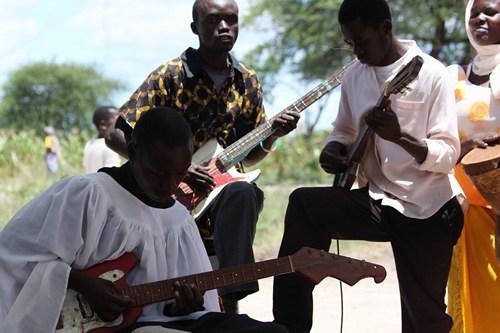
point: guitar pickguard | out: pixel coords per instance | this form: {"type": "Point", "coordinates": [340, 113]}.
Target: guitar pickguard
{"type": "Point", "coordinates": [77, 316]}
{"type": "Point", "coordinates": [197, 203]}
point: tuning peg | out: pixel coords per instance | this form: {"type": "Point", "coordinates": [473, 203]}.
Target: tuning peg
{"type": "Point", "coordinates": [406, 91]}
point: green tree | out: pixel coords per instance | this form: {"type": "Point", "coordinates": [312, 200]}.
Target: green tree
{"type": "Point", "coordinates": [304, 36]}
{"type": "Point", "coordinates": [60, 95]}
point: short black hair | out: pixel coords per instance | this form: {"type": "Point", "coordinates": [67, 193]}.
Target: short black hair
{"type": "Point", "coordinates": [103, 113]}
{"type": "Point", "coordinates": [196, 7]}
{"type": "Point", "coordinates": [162, 124]}
{"type": "Point", "coordinates": [196, 10]}
{"type": "Point", "coordinates": [371, 12]}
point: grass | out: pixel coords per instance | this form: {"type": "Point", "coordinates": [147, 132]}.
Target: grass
{"type": "Point", "coordinates": [270, 224]}
{"type": "Point", "coordinates": [24, 185]}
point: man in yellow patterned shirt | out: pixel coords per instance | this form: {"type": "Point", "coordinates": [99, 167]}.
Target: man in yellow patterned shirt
{"type": "Point", "coordinates": [221, 99]}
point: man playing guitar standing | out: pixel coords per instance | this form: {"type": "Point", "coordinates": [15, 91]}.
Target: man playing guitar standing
{"type": "Point", "coordinates": [406, 194]}
{"type": "Point", "coordinates": [221, 99]}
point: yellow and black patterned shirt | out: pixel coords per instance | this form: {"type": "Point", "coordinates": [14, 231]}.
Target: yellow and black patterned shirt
{"type": "Point", "coordinates": [184, 85]}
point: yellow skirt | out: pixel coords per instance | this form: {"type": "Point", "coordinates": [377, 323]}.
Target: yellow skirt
{"type": "Point", "coordinates": [474, 282]}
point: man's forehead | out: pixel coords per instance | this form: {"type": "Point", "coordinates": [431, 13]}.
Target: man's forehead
{"type": "Point", "coordinates": [354, 27]}
{"type": "Point", "coordinates": [211, 6]}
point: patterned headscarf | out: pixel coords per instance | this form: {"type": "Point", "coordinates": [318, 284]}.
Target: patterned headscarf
{"type": "Point", "coordinates": [487, 59]}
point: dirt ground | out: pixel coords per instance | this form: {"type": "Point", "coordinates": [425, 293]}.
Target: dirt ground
{"type": "Point", "coordinates": [367, 306]}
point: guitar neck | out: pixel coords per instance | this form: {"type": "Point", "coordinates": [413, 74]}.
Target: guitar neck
{"type": "Point", "coordinates": [357, 149]}
{"type": "Point", "coordinates": [239, 149]}
{"type": "Point", "coordinates": [154, 292]}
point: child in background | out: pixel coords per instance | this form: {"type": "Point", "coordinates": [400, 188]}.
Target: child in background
{"type": "Point", "coordinates": [96, 154]}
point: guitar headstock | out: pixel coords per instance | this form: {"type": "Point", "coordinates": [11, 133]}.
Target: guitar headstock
{"type": "Point", "coordinates": [314, 265]}
{"type": "Point", "coordinates": [405, 76]}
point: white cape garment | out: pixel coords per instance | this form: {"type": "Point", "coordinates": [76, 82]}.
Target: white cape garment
{"type": "Point", "coordinates": [79, 222]}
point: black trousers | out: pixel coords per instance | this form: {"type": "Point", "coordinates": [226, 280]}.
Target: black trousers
{"type": "Point", "coordinates": [235, 214]}
{"type": "Point", "coordinates": [422, 251]}
{"type": "Point", "coordinates": [215, 322]}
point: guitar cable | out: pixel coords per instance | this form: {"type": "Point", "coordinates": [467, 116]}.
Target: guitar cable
{"type": "Point", "coordinates": [341, 295]}
{"type": "Point", "coordinates": [340, 283]}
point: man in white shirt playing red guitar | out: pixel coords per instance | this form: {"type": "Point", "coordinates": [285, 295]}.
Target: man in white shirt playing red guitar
{"type": "Point", "coordinates": [222, 100]}
{"type": "Point", "coordinates": [54, 241]}
{"type": "Point", "coordinates": [407, 194]}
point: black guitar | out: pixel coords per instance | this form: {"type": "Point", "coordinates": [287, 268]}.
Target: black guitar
{"type": "Point", "coordinates": [356, 151]}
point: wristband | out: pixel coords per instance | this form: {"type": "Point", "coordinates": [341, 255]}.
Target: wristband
{"type": "Point", "coordinates": [273, 147]}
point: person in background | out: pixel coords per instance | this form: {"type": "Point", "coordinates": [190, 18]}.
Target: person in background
{"type": "Point", "coordinates": [53, 152]}
{"type": "Point", "coordinates": [222, 99]}
{"type": "Point", "coordinates": [85, 220]}
{"type": "Point", "coordinates": [407, 194]}
{"type": "Point", "coordinates": [96, 154]}
{"type": "Point", "coordinates": [474, 282]}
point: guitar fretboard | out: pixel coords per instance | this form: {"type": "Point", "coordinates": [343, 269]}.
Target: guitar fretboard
{"type": "Point", "coordinates": [154, 292]}
{"type": "Point", "coordinates": [234, 153]}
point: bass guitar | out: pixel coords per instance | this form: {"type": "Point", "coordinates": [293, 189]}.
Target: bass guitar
{"type": "Point", "coordinates": [311, 264]}
{"type": "Point", "coordinates": [221, 162]}
{"type": "Point", "coordinates": [355, 153]}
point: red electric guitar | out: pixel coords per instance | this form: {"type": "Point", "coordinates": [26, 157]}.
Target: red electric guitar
{"type": "Point", "coordinates": [311, 264]}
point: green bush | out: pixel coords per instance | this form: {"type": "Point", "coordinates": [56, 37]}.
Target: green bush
{"type": "Point", "coordinates": [295, 161]}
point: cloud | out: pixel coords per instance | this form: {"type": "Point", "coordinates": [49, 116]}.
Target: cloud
{"type": "Point", "coordinates": [123, 37]}
{"type": "Point", "coordinates": [129, 24]}
{"type": "Point", "coordinates": [15, 32]}
{"type": "Point", "coordinates": [132, 39]}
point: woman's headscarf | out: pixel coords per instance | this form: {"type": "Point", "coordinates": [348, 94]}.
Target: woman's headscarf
{"type": "Point", "coordinates": [487, 59]}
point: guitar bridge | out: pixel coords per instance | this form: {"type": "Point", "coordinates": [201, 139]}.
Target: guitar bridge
{"type": "Point", "coordinates": [85, 309]}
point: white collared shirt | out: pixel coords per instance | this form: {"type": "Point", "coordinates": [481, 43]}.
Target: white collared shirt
{"type": "Point", "coordinates": [427, 113]}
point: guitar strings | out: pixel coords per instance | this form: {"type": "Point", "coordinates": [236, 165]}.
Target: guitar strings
{"type": "Point", "coordinates": [234, 150]}
{"type": "Point", "coordinates": [319, 91]}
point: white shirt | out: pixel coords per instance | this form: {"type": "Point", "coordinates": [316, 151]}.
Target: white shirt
{"type": "Point", "coordinates": [97, 155]}
{"type": "Point", "coordinates": [427, 113]}
{"type": "Point", "coordinates": [82, 221]}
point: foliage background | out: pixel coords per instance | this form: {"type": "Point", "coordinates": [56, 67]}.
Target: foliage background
{"type": "Point", "coordinates": [59, 95]}
{"type": "Point", "coordinates": [303, 36]}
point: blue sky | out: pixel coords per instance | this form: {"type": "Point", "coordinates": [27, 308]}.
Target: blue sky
{"type": "Point", "coordinates": [124, 39]}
